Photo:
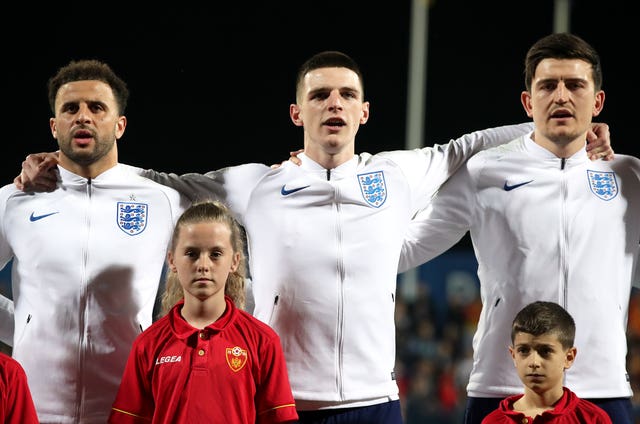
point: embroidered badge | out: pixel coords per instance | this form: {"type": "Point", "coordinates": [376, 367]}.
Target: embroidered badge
{"type": "Point", "coordinates": [603, 184]}
{"type": "Point", "coordinates": [132, 217]}
{"type": "Point", "coordinates": [373, 188]}
{"type": "Point", "coordinates": [236, 358]}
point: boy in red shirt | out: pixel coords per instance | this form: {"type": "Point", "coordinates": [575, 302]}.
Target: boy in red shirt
{"type": "Point", "coordinates": [542, 337]}
{"type": "Point", "coordinates": [206, 360]}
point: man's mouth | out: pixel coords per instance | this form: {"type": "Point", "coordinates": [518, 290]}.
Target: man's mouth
{"type": "Point", "coordinates": [334, 122]}
{"type": "Point", "coordinates": [82, 134]}
{"type": "Point", "coordinates": [561, 114]}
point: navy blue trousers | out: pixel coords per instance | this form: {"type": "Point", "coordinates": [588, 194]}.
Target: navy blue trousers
{"type": "Point", "coordinates": [382, 413]}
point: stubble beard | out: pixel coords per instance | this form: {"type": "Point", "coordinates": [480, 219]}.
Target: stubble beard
{"type": "Point", "coordinates": [87, 155]}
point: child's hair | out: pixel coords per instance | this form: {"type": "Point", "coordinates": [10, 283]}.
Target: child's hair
{"type": "Point", "coordinates": [540, 317]}
{"type": "Point", "coordinates": [208, 211]}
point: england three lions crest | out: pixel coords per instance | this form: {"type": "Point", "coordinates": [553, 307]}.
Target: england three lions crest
{"type": "Point", "coordinates": [132, 217]}
{"type": "Point", "coordinates": [603, 184]}
{"type": "Point", "coordinates": [373, 188]}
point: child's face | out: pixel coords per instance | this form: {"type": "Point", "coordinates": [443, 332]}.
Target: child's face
{"type": "Point", "coordinates": [203, 259]}
{"type": "Point", "coordinates": [541, 360]}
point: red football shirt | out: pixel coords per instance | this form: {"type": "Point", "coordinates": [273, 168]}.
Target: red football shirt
{"type": "Point", "coordinates": [233, 371]}
{"type": "Point", "coordinates": [570, 409]}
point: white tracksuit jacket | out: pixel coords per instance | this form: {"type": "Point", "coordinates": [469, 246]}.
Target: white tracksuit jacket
{"type": "Point", "coordinates": [543, 228]}
{"type": "Point", "coordinates": [324, 247]}
{"type": "Point", "coordinates": [87, 261]}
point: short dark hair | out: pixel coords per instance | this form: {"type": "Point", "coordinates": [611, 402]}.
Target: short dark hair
{"type": "Point", "coordinates": [541, 317]}
{"type": "Point", "coordinates": [328, 59]}
{"type": "Point", "coordinates": [562, 45]}
{"type": "Point", "coordinates": [88, 69]}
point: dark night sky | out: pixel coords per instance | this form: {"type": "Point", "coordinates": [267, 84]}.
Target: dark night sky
{"type": "Point", "coordinates": [208, 79]}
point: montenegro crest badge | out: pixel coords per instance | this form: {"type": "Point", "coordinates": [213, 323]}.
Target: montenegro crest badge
{"type": "Point", "coordinates": [132, 217]}
{"type": "Point", "coordinates": [373, 188]}
{"type": "Point", "coordinates": [603, 184]}
{"type": "Point", "coordinates": [236, 358]}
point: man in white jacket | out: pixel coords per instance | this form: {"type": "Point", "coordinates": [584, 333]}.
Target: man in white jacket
{"type": "Point", "coordinates": [546, 224]}
{"type": "Point", "coordinates": [87, 257]}
{"type": "Point", "coordinates": [325, 237]}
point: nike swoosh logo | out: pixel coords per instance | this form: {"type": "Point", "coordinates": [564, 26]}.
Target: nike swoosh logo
{"type": "Point", "coordinates": [286, 192]}
{"type": "Point", "coordinates": [34, 218]}
{"type": "Point", "coordinates": [508, 187]}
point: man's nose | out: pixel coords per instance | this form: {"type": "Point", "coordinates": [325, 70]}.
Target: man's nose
{"type": "Point", "coordinates": [561, 93]}
{"type": "Point", "coordinates": [335, 100]}
{"type": "Point", "coordinates": [84, 114]}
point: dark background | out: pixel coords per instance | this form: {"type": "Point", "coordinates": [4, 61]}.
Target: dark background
{"type": "Point", "coordinates": [211, 84]}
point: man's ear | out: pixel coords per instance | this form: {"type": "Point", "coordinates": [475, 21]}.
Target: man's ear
{"type": "Point", "coordinates": [365, 113]}
{"type": "Point", "coordinates": [121, 124]}
{"type": "Point", "coordinates": [599, 103]}
{"type": "Point", "coordinates": [52, 126]}
{"type": "Point", "coordinates": [525, 99]}
{"type": "Point", "coordinates": [294, 113]}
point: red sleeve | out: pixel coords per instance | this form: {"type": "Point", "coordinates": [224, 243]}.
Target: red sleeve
{"type": "Point", "coordinates": [17, 405]}
{"type": "Point", "coordinates": [274, 400]}
{"type": "Point", "coordinates": [134, 401]}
